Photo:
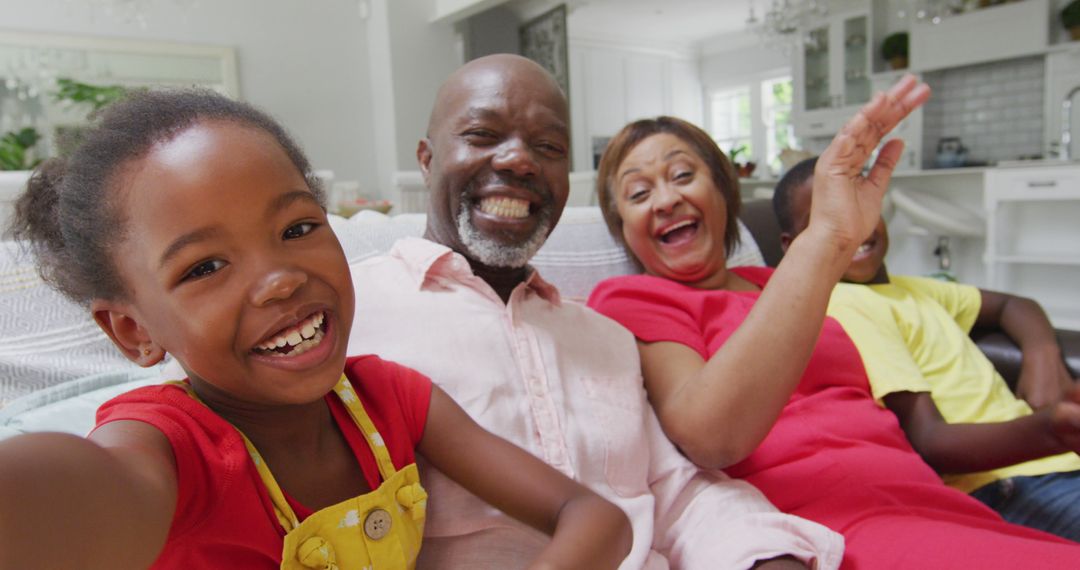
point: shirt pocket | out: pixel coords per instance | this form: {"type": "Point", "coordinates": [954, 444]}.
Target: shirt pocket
{"type": "Point", "coordinates": [617, 405]}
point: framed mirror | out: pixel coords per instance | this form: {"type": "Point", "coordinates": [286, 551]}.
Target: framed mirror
{"type": "Point", "coordinates": [50, 83]}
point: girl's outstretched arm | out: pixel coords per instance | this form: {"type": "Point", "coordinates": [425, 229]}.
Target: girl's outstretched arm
{"type": "Point", "coordinates": [587, 531]}
{"type": "Point", "coordinates": [100, 503]}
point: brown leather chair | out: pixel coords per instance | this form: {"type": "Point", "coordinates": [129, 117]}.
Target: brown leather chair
{"type": "Point", "coordinates": [758, 217]}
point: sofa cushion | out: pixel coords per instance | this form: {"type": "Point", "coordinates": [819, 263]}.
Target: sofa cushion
{"type": "Point", "coordinates": [69, 406]}
{"type": "Point", "coordinates": [48, 340]}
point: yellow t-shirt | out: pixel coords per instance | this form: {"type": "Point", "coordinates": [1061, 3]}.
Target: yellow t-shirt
{"type": "Point", "coordinates": [912, 335]}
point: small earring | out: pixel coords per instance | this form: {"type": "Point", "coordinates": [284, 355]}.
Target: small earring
{"type": "Point", "coordinates": [146, 352]}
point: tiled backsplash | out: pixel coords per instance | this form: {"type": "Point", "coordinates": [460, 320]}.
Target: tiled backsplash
{"type": "Point", "coordinates": [996, 110]}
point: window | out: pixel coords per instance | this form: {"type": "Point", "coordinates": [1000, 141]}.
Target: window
{"type": "Point", "coordinates": [731, 119]}
{"type": "Point", "coordinates": [756, 115]}
{"type": "Point", "coordinates": [776, 97]}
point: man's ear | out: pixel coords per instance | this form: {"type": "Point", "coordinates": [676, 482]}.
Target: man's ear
{"type": "Point", "coordinates": [423, 158]}
{"type": "Point", "coordinates": [126, 333]}
{"type": "Point", "coordinates": [785, 240]}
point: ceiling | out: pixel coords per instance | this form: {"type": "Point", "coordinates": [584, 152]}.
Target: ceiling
{"type": "Point", "coordinates": [677, 23]}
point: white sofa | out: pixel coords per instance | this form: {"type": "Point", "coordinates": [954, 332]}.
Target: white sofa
{"type": "Point", "coordinates": [57, 367]}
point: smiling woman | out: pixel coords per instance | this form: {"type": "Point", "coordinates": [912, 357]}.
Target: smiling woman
{"type": "Point", "coordinates": [745, 372]}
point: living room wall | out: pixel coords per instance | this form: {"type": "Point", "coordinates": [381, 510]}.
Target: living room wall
{"type": "Point", "coordinates": [304, 61]}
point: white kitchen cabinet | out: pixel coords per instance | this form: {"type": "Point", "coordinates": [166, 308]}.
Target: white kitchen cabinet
{"type": "Point", "coordinates": [605, 91]}
{"type": "Point", "coordinates": [611, 85]}
{"type": "Point", "coordinates": [1015, 29]}
{"type": "Point", "coordinates": [832, 73]}
{"type": "Point", "coordinates": [1033, 237]}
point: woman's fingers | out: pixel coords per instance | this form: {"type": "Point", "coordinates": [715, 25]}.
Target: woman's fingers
{"type": "Point", "coordinates": [856, 141]}
{"type": "Point", "coordinates": [887, 158]}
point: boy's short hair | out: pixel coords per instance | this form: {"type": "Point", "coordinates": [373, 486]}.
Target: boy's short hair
{"type": "Point", "coordinates": [795, 177]}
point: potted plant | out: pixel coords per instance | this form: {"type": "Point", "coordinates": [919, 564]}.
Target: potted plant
{"type": "Point", "coordinates": [74, 93]}
{"type": "Point", "coordinates": [1070, 18]}
{"type": "Point", "coordinates": [894, 49]}
{"type": "Point", "coordinates": [16, 149]}
{"type": "Point", "coordinates": [744, 170]}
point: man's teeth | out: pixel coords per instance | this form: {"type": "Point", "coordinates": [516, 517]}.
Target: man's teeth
{"type": "Point", "coordinates": [505, 207]}
{"type": "Point", "coordinates": [301, 337]}
{"type": "Point", "coordinates": [864, 248]}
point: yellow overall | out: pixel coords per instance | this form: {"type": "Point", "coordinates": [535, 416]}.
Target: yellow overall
{"type": "Point", "coordinates": [379, 530]}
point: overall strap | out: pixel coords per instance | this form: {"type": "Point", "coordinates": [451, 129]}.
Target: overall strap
{"type": "Point", "coordinates": [352, 403]}
{"type": "Point", "coordinates": [284, 512]}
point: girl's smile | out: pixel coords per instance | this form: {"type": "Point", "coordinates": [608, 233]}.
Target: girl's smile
{"type": "Point", "coordinates": [252, 301]}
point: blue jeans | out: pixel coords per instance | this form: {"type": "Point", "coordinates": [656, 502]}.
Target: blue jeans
{"type": "Point", "coordinates": [1048, 502]}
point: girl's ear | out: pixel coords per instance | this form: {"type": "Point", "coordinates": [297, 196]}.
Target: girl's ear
{"type": "Point", "coordinates": [126, 333]}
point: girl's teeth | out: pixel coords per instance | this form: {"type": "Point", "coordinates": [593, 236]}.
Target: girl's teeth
{"type": "Point", "coordinates": [307, 330]}
{"type": "Point", "coordinates": [302, 347]}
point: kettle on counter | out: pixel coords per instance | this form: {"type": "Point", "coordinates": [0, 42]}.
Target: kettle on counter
{"type": "Point", "coordinates": [951, 153]}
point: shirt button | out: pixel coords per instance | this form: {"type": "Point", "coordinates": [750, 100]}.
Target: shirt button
{"type": "Point", "coordinates": [377, 524]}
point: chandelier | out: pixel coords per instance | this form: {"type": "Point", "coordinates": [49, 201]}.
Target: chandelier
{"type": "Point", "coordinates": [782, 21]}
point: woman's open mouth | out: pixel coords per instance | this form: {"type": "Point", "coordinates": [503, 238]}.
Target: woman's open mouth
{"type": "Point", "coordinates": [296, 339]}
{"type": "Point", "coordinates": [678, 233]}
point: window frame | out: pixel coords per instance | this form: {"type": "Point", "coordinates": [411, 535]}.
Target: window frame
{"type": "Point", "coordinates": [758, 129]}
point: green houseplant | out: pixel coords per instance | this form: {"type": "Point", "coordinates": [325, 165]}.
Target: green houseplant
{"type": "Point", "coordinates": [97, 96]}
{"type": "Point", "coordinates": [894, 49]}
{"type": "Point", "coordinates": [743, 169]}
{"type": "Point", "coordinates": [16, 149]}
{"type": "Point", "coordinates": [72, 92]}
{"type": "Point", "coordinates": [1070, 18]}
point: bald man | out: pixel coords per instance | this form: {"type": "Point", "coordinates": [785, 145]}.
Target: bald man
{"type": "Point", "coordinates": [464, 307]}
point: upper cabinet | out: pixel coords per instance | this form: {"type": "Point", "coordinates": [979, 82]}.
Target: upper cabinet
{"type": "Point", "coordinates": [611, 85]}
{"type": "Point", "coordinates": [832, 73]}
{"type": "Point", "coordinates": [1000, 32]}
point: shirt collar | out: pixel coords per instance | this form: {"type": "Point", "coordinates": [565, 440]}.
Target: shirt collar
{"type": "Point", "coordinates": [426, 260]}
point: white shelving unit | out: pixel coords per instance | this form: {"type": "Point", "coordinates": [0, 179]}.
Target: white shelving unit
{"type": "Point", "coordinates": [832, 73]}
{"type": "Point", "coordinates": [1033, 237]}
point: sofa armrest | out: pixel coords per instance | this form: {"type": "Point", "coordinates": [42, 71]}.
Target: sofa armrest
{"type": "Point", "coordinates": [1005, 354]}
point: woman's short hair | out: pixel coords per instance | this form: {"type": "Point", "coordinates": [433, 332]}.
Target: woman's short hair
{"type": "Point", "coordinates": [721, 169]}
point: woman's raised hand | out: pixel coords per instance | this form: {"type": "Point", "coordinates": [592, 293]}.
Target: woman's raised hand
{"type": "Point", "coordinates": [847, 205]}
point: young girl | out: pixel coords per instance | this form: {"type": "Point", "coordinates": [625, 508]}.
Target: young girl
{"type": "Point", "coordinates": [190, 225]}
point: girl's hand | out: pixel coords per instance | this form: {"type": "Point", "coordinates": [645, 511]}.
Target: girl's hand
{"type": "Point", "coordinates": [847, 205]}
{"type": "Point", "coordinates": [587, 531]}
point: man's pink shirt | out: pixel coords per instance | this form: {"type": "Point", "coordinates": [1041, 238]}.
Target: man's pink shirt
{"type": "Point", "coordinates": [564, 383]}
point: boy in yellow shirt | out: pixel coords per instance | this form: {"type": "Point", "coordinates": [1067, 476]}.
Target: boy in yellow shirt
{"type": "Point", "coordinates": [1016, 454]}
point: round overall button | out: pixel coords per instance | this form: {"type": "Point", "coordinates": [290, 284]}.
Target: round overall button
{"type": "Point", "coordinates": [377, 524]}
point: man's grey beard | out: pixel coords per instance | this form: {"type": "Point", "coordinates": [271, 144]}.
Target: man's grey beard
{"type": "Point", "coordinates": [494, 254]}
